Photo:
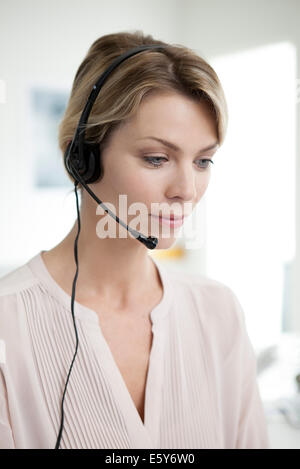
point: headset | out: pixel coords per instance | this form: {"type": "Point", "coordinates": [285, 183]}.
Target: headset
{"type": "Point", "coordinates": [82, 161]}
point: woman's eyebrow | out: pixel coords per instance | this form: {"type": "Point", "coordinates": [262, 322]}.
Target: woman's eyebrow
{"type": "Point", "coordinates": [175, 147]}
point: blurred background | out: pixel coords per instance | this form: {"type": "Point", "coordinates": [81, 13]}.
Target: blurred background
{"type": "Point", "coordinates": [249, 216]}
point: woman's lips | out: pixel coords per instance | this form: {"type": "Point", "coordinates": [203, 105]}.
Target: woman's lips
{"type": "Point", "coordinates": [170, 221]}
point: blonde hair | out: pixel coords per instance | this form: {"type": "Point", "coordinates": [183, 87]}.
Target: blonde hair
{"type": "Point", "coordinates": [176, 68]}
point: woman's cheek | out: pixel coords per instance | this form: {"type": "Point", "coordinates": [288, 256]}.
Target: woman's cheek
{"type": "Point", "coordinates": [141, 188]}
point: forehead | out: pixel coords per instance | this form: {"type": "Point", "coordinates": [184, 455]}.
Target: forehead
{"type": "Point", "coordinates": [172, 115]}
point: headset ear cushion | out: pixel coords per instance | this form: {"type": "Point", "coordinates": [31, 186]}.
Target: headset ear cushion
{"type": "Point", "coordinates": [92, 171]}
{"type": "Point", "coordinates": [72, 160]}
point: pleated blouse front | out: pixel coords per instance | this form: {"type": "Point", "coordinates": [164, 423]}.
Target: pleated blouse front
{"type": "Point", "coordinates": [201, 389]}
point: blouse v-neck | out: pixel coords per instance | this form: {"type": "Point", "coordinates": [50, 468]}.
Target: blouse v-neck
{"type": "Point", "coordinates": [143, 434]}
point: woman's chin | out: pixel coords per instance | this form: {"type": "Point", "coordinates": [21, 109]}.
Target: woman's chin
{"type": "Point", "coordinates": [165, 243]}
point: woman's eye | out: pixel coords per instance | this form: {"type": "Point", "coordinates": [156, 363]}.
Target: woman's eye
{"type": "Point", "coordinates": [204, 161]}
{"type": "Point", "coordinates": [153, 160]}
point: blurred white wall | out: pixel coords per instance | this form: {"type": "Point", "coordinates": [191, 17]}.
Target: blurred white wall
{"type": "Point", "coordinates": [43, 42]}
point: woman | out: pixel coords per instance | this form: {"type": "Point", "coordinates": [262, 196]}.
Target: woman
{"type": "Point", "coordinates": [164, 359]}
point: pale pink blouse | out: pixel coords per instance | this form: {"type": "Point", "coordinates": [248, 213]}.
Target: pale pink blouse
{"type": "Point", "coordinates": [201, 389]}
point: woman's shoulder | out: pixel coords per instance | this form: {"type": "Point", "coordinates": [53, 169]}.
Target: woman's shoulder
{"type": "Point", "coordinates": [201, 286]}
{"type": "Point", "coordinates": [12, 284]}
{"type": "Point", "coordinates": [210, 301]}
{"type": "Point", "coordinates": [17, 280]}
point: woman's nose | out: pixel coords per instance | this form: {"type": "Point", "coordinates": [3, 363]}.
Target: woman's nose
{"type": "Point", "coordinates": [182, 184]}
